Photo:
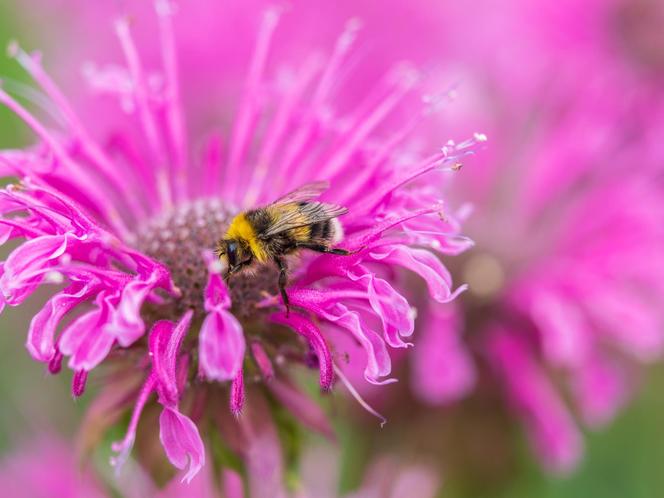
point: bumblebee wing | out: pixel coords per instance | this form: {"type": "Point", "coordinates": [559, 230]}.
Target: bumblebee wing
{"type": "Point", "coordinates": [306, 192]}
{"type": "Point", "coordinates": [305, 214]}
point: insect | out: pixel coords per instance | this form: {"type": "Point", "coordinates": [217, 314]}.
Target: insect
{"type": "Point", "coordinates": [267, 234]}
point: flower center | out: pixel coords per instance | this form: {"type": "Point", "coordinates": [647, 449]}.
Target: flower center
{"type": "Point", "coordinates": [178, 239]}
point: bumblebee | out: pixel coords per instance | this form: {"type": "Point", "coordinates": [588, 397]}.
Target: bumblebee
{"type": "Point", "coordinates": [266, 235]}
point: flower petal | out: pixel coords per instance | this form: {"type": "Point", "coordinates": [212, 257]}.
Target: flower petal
{"type": "Point", "coordinates": [164, 345]}
{"type": "Point", "coordinates": [422, 262]}
{"type": "Point", "coordinates": [390, 306]}
{"type": "Point", "coordinates": [442, 369]}
{"type": "Point", "coordinates": [85, 339]}
{"type": "Point", "coordinates": [41, 333]}
{"type": "Point", "coordinates": [181, 441]}
{"type": "Point", "coordinates": [216, 293]}
{"type": "Point", "coordinates": [379, 363]}
{"type": "Point", "coordinates": [221, 346]}
{"type": "Point", "coordinates": [310, 332]}
{"type": "Point", "coordinates": [551, 428]}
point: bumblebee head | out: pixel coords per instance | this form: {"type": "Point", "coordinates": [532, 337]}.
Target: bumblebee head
{"type": "Point", "coordinates": [233, 251]}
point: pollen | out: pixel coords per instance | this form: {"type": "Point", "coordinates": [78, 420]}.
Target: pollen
{"type": "Point", "coordinates": [178, 239]}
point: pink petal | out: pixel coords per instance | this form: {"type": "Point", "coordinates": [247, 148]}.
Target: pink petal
{"type": "Point", "coordinates": [181, 441]}
{"type": "Point", "coordinates": [551, 428]}
{"type": "Point", "coordinates": [564, 333]}
{"type": "Point", "coordinates": [422, 262]}
{"type": "Point", "coordinates": [42, 329]}
{"type": "Point", "coordinates": [379, 363]}
{"type": "Point", "coordinates": [164, 345]}
{"type": "Point", "coordinates": [216, 293]}
{"type": "Point", "coordinates": [443, 370]}
{"type": "Point", "coordinates": [23, 269]}
{"type": "Point", "coordinates": [308, 412]}
{"type": "Point", "coordinates": [262, 360]}
{"type": "Point", "coordinates": [314, 337]}
{"type": "Point", "coordinates": [126, 323]}
{"type": "Point", "coordinates": [601, 388]}
{"type": "Point", "coordinates": [237, 394]}
{"type": "Point", "coordinates": [86, 341]}
{"type": "Point", "coordinates": [392, 308]}
{"type": "Point", "coordinates": [221, 346]}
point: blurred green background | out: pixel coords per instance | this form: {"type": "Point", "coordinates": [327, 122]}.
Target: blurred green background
{"type": "Point", "coordinates": [624, 461]}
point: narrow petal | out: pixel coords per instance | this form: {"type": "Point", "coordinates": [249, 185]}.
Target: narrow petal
{"type": "Point", "coordinates": [551, 428]}
{"type": "Point", "coordinates": [85, 341]}
{"type": "Point", "coordinates": [221, 346]}
{"type": "Point", "coordinates": [390, 306]}
{"type": "Point", "coordinates": [422, 262]}
{"type": "Point", "coordinates": [262, 360]}
{"type": "Point", "coordinates": [216, 293]}
{"type": "Point", "coordinates": [164, 345]}
{"type": "Point", "coordinates": [314, 337]}
{"type": "Point", "coordinates": [443, 370]}
{"type": "Point", "coordinates": [181, 441]}
{"type": "Point", "coordinates": [78, 383]}
{"type": "Point", "coordinates": [123, 448]}
{"type": "Point", "coordinates": [126, 323]}
{"type": "Point", "coordinates": [18, 279]}
{"type": "Point", "coordinates": [306, 410]}
{"type": "Point", "coordinates": [237, 394]}
{"type": "Point", "coordinates": [601, 387]}
{"type": "Point", "coordinates": [379, 363]}
{"type": "Point", "coordinates": [42, 329]}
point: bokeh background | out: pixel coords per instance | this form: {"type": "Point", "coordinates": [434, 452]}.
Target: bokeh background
{"type": "Point", "coordinates": [624, 460]}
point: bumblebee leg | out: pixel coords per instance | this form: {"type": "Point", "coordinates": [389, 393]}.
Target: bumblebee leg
{"type": "Point", "coordinates": [282, 282]}
{"type": "Point", "coordinates": [327, 250]}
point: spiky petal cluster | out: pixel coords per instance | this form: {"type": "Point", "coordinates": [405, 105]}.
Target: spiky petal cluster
{"type": "Point", "coordinates": [82, 209]}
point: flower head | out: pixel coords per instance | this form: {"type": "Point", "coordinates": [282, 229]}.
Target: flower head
{"type": "Point", "coordinates": [121, 227]}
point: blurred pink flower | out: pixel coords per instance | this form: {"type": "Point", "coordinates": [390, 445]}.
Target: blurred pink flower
{"type": "Point", "coordinates": [387, 476]}
{"type": "Point", "coordinates": [122, 224]}
{"type": "Point", "coordinates": [565, 280]}
{"type": "Point", "coordinates": [46, 468]}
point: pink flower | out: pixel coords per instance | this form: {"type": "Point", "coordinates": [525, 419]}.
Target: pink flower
{"type": "Point", "coordinates": [387, 476]}
{"type": "Point", "coordinates": [122, 222]}
{"type": "Point", "coordinates": [565, 278]}
{"type": "Point", "coordinates": [46, 467]}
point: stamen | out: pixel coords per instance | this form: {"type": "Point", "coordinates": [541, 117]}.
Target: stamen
{"type": "Point", "coordinates": [76, 171]}
{"type": "Point", "coordinates": [249, 107]}
{"type": "Point", "coordinates": [277, 131]}
{"type": "Point", "coordinates": [146, 116]}
{"type": "Point", "coordinates": [32, 65]}
{"type": "Point", "coordinates": [400, 82]}
{"type": "Point", "coordinates": [357, 396]}
{"type": "Point", "coordinates": [309, 122]}
{"type": "Point", "coordinates": [175, 116]}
